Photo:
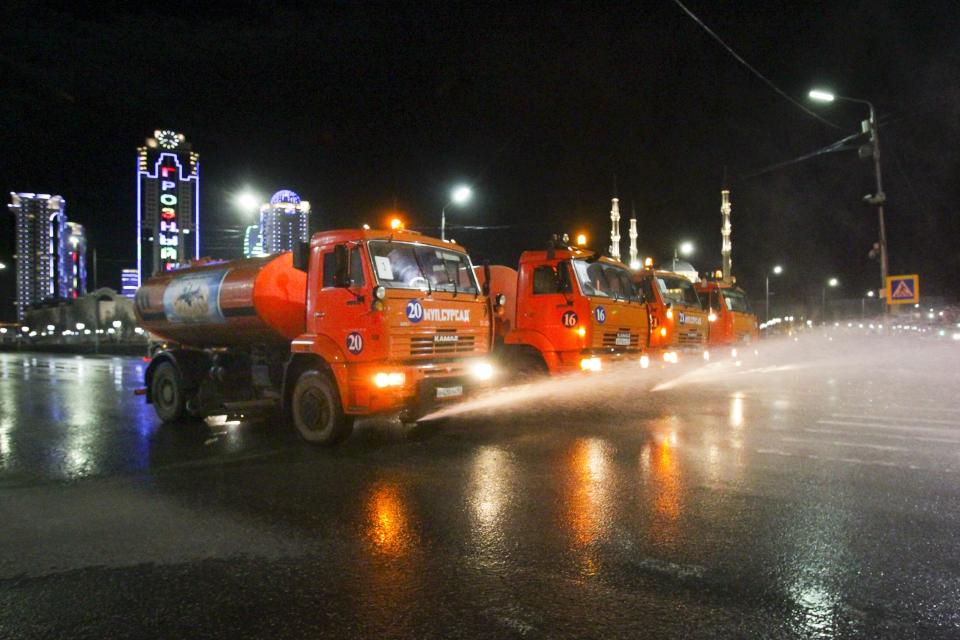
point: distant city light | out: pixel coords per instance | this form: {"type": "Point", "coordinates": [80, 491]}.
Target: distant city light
{"type": "Point", "coordinates": [581, 239]}
{"type": "Point", "coordinates": [2, 266]}
{"type": "Point", "coordinates": [396, 224]}
{"type": "Point", "coordinates": [778, 269]}
{"type": "Point", "coordinates": [117, 324]}
{"type": "Point", "coordinates": [833, 282]}
{"type": "Point", "coordinates": [686, 248]}
{"type": "Point", "coordinates": [870, 293]}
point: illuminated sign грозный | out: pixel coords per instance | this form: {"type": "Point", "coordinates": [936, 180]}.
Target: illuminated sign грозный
{"type": "Point", "coordinates": [168, 235]}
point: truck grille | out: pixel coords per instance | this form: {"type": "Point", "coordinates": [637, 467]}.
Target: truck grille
{"type": "Point", "coordinates": [690, 338]}
{"type": "Point", "coordinates": [443, 342]}
{"type": "Point", "coordinates": [621, 339]}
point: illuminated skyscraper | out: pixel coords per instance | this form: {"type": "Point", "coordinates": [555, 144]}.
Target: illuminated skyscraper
{"type": "Point", "coordinates": [41, 229]}
{"type": "Point", "coordinates": [168, 203]}
{"type": "Point", "coordinates": [74, 260]}
{"type": "Point", "coordinates": [283, 222]}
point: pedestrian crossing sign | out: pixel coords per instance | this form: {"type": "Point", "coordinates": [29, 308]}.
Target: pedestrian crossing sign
{"type": "Point", "coordinates": [903, 289]}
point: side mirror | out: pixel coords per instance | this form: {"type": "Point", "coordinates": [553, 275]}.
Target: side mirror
{"type": "Point", "coordinates": [301, 256]}
{"type": "Point", "coordinates": [341, 256]}
{"type": "Point", "coordinates": [486, 277]}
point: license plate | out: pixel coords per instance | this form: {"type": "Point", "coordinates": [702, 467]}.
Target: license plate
{"type": "Point", "coordinates": [450, 392]}
{"type": "Point", "coordinates": [623, 340]}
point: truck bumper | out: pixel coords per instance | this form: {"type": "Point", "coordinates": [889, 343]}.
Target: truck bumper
{"type": "Point", "coordinates": [597, 360]}
{"type": "Point", "coordinates": [423, 388]}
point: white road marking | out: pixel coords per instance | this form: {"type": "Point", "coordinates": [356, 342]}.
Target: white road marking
{"type": "Point", "coordinates": [869, 463]}
{"type": "Point", "coordinates": [843, 443]}
{"type": "Point", "coordinates": [891, 436]}
{"type": "Point", "coordinates": [860, 416]}
{"type": "Point", "coordinates": [886, 427]}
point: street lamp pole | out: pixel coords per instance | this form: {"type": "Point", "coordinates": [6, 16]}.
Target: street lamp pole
{"type": "Point", "coordinates": [459, 196]}
{"type": "Point", "coordinates": [833, 282]}
{"type": "Point", "coordinates": [879, 198]}
{"type": "Point", "coordinates": [776, 270]}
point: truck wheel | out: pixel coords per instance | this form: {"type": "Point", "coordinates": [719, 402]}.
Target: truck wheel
{"type": "Point", "coordinates": [166, 390]}
{"type": "Point", "coordinates": [529, 368]}
{"type": "Point", "coordinates": [317, 413]}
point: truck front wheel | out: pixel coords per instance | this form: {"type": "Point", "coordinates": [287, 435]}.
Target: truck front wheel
{"type": "Point", "coordinates": [317, 413]}
{"type": "Point", "coordinates": [167, 393]}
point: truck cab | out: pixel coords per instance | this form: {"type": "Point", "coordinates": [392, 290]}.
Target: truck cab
{"type": "Point", "coordinates": [731, 321]}
{"type": "Point", "coordinates": [678, 322]}
{"type": "Point", "coordinates": [566, 310]}
{"type": "Point", "coordinates": [398, 318]}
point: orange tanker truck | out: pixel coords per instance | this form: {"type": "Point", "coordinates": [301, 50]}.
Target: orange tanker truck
{"type": "Point", "coordinates": [731, 321]}
{"type": "Point", "coordinates": [355, 323]}
{"type": "Point", "coordinates": [565, 310]}
{"type": "Point", "coordinates": [678, 324]}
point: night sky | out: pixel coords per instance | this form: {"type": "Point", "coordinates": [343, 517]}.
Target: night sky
{"type": "Point", "coordinates": [366, 107]}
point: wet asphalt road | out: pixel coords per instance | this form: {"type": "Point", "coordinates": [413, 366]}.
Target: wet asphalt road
{"type": "Point", "coordinates": [812, 491]}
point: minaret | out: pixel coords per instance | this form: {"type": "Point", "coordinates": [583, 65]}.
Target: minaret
{"type": "Point", "coordinates": [726, 246]}
{"type": "Point", "coordinates": [615, 230]}
{"type": "Point", "coordinates": [634, 260]}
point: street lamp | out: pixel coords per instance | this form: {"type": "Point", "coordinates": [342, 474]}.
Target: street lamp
{"type": "Point", "coordinates": [832, 282]}
{"type": "Point", "coordinates": [247, 201]}
{"type": "Point", "coordinates": [460, 195]}
{"type": "Point", "coordinates": [684, 249]}
{"type": "Point", "coordinates": [863, 303]}
{"type": "Point", "coordinates": [869, 126]}
{"type": "Point", "coordinates": [2, 266]}
{"type": "Point", "coordinates": [777, 270]}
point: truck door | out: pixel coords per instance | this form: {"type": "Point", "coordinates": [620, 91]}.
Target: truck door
{"type": "Point", "coordinates": [545, 303]}
{"type": "Point", "coordinates": [343, 303]}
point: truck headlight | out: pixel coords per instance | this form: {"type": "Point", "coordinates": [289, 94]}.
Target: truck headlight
{"type": "Point", "coordinates": [663, 332]}
{"type": "Point", "coordinates": [706, 355]}
{"type": "Point", "coordinates": [392, 379]}
{"type": "Point", "coordinates": [644, 361]}
{"type": "Point", "coordinates": [482, 371]}
{"type": "Point", "coordinates": [712, 317]}
{"type": "Point", "coordinates": [669, 314]}
{"type": "Point", "coordinates": [380, 293]}
{"type": "Point", "coordinates": [591, 364]}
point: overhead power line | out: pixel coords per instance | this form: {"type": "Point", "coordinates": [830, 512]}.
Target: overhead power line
{"type": "Point", "coordinates": [750, 67]}
{"type": "Point", "coordinates": [839, 145]}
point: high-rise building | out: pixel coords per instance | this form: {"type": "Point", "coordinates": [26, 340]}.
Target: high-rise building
{"type": "Point", "coordinates": [41, 230]}
{"type": "Point", "coordinates": [284, 222]}
{"type": "Point", "coordinates": [128, 282]}
{"type": "Point", "coordinates": [75, 260]}
{"type": "Point", "coordinates": [168, 203]}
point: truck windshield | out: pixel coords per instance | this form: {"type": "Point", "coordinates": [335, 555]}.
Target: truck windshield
{"type": "Point", "coordinates": [736, 300]}
{"type": "Point", "coordinates": [605, 280]}
{"type": "Point", "coordinates": [678, 291]}
{"type": "Point", "coordinates": [403, 265]}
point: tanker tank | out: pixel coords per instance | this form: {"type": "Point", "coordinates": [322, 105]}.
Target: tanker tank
{"type": "Point", "coordinates": [226, 304]}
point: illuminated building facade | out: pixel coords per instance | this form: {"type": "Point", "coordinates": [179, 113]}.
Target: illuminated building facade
{"type": "Point", "coordinates": [252, 244]}
{"type": "Point", "coordinates": [283, 222]}
{"type": "Point", "coordinates": [168, 204]}
{"type": "Point", "coordinates": [128, 282]}
{"type": "Point", "coordinates": [41, 248]}
{"type": "Point", "coordinates": [75, 260]}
